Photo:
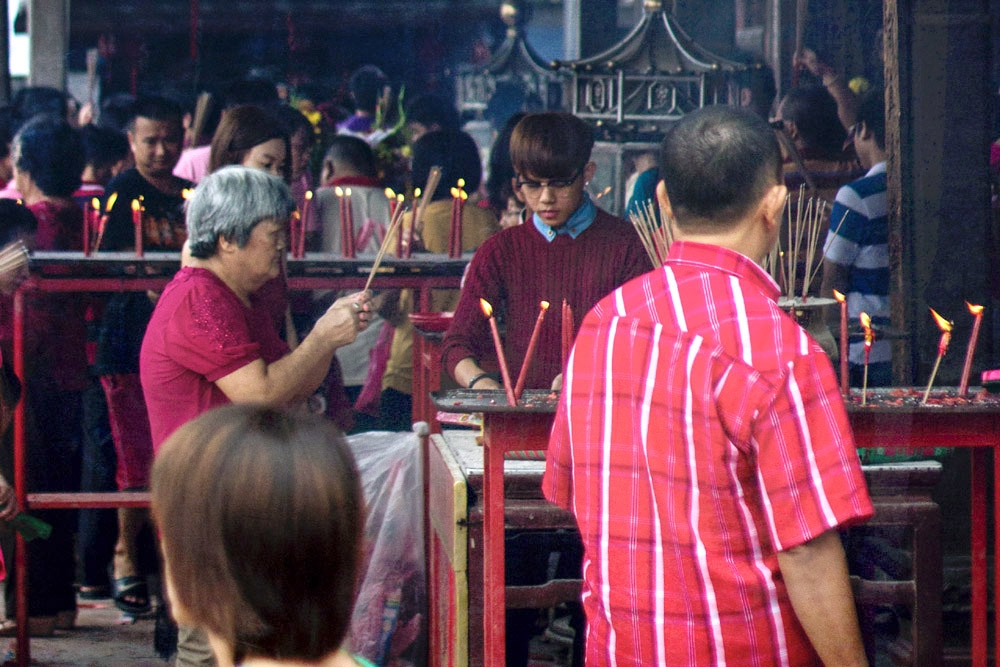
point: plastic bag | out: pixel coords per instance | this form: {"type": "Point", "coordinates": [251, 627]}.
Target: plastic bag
{"type": "Point", "coordinates": [388, 626]}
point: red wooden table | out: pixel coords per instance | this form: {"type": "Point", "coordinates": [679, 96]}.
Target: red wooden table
{"type": "Point", "coordinates": [526, 428]}
{"type": "Point", "coordinates": [124, 272]}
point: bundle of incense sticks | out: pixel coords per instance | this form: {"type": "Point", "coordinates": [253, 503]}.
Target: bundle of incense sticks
{"type": "Point", "coordinates": [433, 178]}
{"type": "Point", "coordinates": [656, 239]}
{"type": "Point", "coordinates": [803, 244]}
{"type": "Point", "coordinates": [390, 234]}
{"type": "Point", "coordinates": [13, 258]}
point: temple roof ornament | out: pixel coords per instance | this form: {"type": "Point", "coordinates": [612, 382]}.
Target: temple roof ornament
{"type": "Point", "coordinates": [654, 76]}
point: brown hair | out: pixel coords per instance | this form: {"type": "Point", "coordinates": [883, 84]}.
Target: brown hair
{"type": "Point", "coordinates": [242, 128]}
{"type": "Point", "coordinates": [260, 515]}
{"type": "Point", "coordinates": [550, 145]}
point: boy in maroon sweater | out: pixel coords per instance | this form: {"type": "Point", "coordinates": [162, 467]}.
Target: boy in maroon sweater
{"type": "Point", "coordinates": [567, 249]}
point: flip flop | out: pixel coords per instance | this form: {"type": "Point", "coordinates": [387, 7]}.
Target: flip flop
{"type": "Point", "coordinates": [131, 595]}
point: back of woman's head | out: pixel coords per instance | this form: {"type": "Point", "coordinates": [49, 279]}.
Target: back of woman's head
{"type": "Point", "coordinates": [51, 152]}
{"type": "Point", "coordinates": [229, 203]}
{"type": "Point", "coordinates": [261, 516]}
{"type": "Point", "coordinates": [457, 155]}
{"type": "Point", "coordinates": [240, 129]}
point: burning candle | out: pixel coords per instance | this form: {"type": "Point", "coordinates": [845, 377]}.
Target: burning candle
{"type": "Point", "coordinates": [414, 219]}
{"type": "Point", "coordinates": [498, 344]}
{"type": "Point", "coordinates": [866, 325]}
{"type": "Point", "coordinates": [104, 220]}
{"type": "Point", "coordinates": [845, 387]}
{"type": "Point", "coordinates": [137, 224]}
{"type": "Point", "coordinates": [458, 197]}
{"type": "Point", "coordinates": [391, 196]}
{"type": "Point", "coordinates": [977, 314]}
{"type": "Point", "coordinates": [567, 332]}
{"type": "Point", "coordinates": [349, 227]}
{"type": "Point", "coordinates": [300, 248]}
{"type": "Point", "coordinates": [342, 209]}
{"type": "Point", "coordinates": [522, 377]}
{"type": "Point", "coordinates": [945, 326]}
{"type": "Point", "coordinates": [91, 221]}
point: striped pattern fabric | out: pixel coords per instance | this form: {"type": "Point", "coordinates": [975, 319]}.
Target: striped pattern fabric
{"type": "Point", "coordinates": [862, 244]}
{"type": "Point", "coordinates": [700, 431]}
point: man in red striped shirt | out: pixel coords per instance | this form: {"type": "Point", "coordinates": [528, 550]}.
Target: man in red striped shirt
{"type": "Point", "coordinates": [701, 440]}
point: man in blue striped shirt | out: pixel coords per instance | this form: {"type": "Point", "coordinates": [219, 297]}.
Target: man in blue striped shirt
{"type": "Point", "coordinates": [857, 250]}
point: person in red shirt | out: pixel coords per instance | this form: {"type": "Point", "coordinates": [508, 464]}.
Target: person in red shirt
{"type": "Point", "coordinates": [567, 250]}
{"type": "Point", "coordinates": [701, 441]}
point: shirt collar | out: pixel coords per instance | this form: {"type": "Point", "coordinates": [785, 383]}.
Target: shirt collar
{"type": "Point", "coordinates": [582, 218]}
{"type": "Point", "coordinates": [724, 259]}
{"type": "Point", "coordinates": [877, 168]}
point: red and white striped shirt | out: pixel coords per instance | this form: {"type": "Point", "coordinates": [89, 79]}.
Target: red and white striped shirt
{"type": "Point", "coordinates": [700, 431]}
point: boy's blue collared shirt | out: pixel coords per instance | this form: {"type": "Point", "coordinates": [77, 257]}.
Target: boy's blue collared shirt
{"type": "Point", "coordinates": [582, 218]}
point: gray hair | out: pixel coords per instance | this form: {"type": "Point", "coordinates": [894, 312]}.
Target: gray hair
{"type": "Point", "coordinates": [229, 203]}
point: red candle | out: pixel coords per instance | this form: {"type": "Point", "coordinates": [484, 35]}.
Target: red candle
{"type": "Point", "coordinates": [414, 220]}
{"type": "Point", "coordinates": [522, 377]}
{"type": "Point", "coordinates": [567, 332]}
{"type": "Point", "coordinates": [498, 344]}
{"type": "Point", "coordinates": [349, 227]}
{"type": "Point", "coordinates": [391, 196]}
{"type": "Point", "coordinates": [300, 248]}
{"type": "Point", "coordinates": [137, 223]}
{"type": "Point", "coordinates": [104, 220]}
{"type": "Point", "coordinates": [977, 314]}
{"type": "Point", "coordinates": [845, 387]}
{"type": "Point", "coordinates": [91, 220]}
{"type": "Point", "coordinates": [339, 191]}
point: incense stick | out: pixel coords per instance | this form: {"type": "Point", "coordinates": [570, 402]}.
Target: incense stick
{"type": "Point", "coordinates": [387, 240]}
{"type": "Point", "coordinates": [656, 239]}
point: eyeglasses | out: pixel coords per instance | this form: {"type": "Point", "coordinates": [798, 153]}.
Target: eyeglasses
{"type": "Point", "coordinates": [559, 185]}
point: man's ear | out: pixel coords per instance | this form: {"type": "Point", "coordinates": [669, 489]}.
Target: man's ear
{"type": "Point", "coordinates": [588, 172]}
{"type": "Point", "coordinates": [772, 204]}
{"type": "Point", "coordinates": [663, 199]}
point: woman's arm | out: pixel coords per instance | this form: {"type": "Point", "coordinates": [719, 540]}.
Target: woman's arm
{"type": "Point", "coordinates": [299, 373]}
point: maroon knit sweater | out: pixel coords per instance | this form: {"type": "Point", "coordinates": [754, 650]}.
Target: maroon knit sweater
{"type": "Point", "coordinates": [517, 268]}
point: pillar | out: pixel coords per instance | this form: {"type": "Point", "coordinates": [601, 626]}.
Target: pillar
{"type": "Point", "coordinates": [48, 27]}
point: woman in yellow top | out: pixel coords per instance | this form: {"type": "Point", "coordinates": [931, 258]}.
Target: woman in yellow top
{"type": "Point", "coordinates": [458, 157]}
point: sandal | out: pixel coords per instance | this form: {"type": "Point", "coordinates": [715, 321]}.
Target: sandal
{"type": "Point", "coordinates": [98, 592]}
{"type": "Point", "coordinates": [132, 595]}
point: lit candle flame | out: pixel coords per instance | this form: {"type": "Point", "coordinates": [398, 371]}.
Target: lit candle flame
{"type": "Point", "coordinates": [866, 324]}
{"type": "Point", "coordinates": [461, 183]}
{"type": "Point", "coordinates": [390, 194]}
{"type": "Point", "coordinates": [454, 192]}
{"type": "Point", "coordinates": [186, 193]}
{"type": "Point", "coordinates": [416, 193]}
{"type": "Point", "coordinates": [943, 324]}
{"type": "Point", "coordinates": [400, 198]}
{"type": "Point", "coordinates": [309, 195]}
{"type": "Point", "coordinates": [96, 204]}
{"type": "Point", "coordinates": [544, 305]}
{"type": "Point", "coordinates": [838, 296]}
{"type": "Point", "coordinates": [136, 205]}
{"type": "Point", "coordinates": [111, 202]}
{"type": "Point", "coordinates": [974, 309]}
{"type": "Point", "coordinates": [487, 308]}
{"type": "Point", "coordinates": [339, 191]}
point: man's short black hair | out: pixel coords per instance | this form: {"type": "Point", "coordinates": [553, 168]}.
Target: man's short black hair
{"type": "Point", "coordinates": [814, 112]}
{"type": "Point", "coordinates": [353, 151]}
{"type": "Point", "coordinates": [155, 107]}
{"type": "Point", "coordinates": [51, 152]}
{"type": "Point", "coordinates": [103, 146]}
{"type": "Point", "coordinates": [717, 163]}
{"type": "Point", "coordinates": [366, 87]}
